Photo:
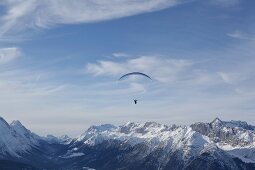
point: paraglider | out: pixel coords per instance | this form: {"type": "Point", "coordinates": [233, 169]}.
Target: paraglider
{"type": "Point", "coordinates": [136, 74]}
{"type": "Point", "coordinates": [135, 101]}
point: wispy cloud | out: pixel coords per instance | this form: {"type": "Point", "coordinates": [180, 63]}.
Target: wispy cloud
{"type": "Point", "coordinates": [226, 77]}
{"type": "Point", "coordinates": [25, 83]}
{"type": "Point", "coordinates": [120, 55]}
{"type": "Point", "coordinates": [178, 73]}
{"type": "Point", "coordinates": [171, 71]}
{"type": "Point", "coordinates": [32, 14]}
{"type": "Point", "coordinates": [161, 69]}
{"type": "Point", "coordinates": [240, 35]}
{"type": "Point", "coordinates": [8, 54]}
{"type": "Point", "coordinates": [234, 77]}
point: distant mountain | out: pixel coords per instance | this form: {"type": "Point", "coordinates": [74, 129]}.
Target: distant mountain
{"type": "Point", "coordinates": [144, 146]}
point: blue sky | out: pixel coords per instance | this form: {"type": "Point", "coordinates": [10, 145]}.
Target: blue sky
{"type": "Point", "coordinates": [60, 61]}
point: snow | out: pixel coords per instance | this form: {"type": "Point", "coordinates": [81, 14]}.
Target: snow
{"type": "Point", "coordinates": [73, 155]}
{"type": "Point", "coordinates": [152, 134]}
{"type": "Point", "coordinates": [172, 138]}
{"type": "Point", "coordinates": [246, 154]}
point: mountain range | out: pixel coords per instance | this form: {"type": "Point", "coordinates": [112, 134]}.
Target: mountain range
{"type": "Point", "coordinates": [217, 145]}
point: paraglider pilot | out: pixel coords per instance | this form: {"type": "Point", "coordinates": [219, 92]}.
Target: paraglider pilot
{"type": "Point", "coordinates": [135, 101]}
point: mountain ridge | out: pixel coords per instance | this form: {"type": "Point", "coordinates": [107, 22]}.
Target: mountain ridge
{"type": "Point", "coordinates": [227, 143]}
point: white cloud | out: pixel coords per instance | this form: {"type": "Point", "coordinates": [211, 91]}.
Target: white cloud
{"type": "Point", "coordinates": [161, 69]}
{"type": "Point", "coordinates": [234, 77]}
{"type": "Point", "coordinates": [236, 34]}
{"type": "Point", "coordinates": [8, 54]}
{"type": "Point", "coordinates": [120, 54]}
{"type": "Point", "coordinates": [105, 68]}
{"type": "Point", "coordinates": [22, 82]}
{"type": "Point", "coordinates": [23, 15]}
{"type": "Point", "coordinates": [240, 35]}
{"type": "Point", "coordinates": [226, 77]}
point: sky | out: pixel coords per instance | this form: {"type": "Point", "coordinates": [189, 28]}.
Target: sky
{"type": "Point", "coordinates": [60, 61]}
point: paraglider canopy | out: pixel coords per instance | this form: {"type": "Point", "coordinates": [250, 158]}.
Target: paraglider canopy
{"type": "Point", "coordinates": [134, 73]}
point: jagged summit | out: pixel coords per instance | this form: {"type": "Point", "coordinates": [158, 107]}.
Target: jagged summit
{"type": "Point", "coordinates": [64, 137]}
{"type": "Point", "coordinates": [232, 124]}
{"type": "Point", "coordinates": [17, 125]}
{"type": "Point", "coordinates": [217, 120]}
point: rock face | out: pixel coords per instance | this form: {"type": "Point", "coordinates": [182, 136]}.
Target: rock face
{"type": "Point", "coordinates": [235, 137]}
{"type": "Point", "coordinates": [146, 146]}
{"type": "Point", "coordinates": [235, 133]}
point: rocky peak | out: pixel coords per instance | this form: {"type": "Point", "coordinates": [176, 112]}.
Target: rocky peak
{"type": "Point", "coordinates": [217, 122]}
{"type": "Point", "coordinates": [17, 125]}
{"type": "Point", "coordinates": [240, 124]}
{"type": "Point", "coordinates": [20, 129]}
{"type": "Point", "coordinates": [234, 133]}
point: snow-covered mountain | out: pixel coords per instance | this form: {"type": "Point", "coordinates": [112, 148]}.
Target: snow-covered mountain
{"type": "Point", "coordinates": [15, 139]}
{"type": "Point", "coordinates": [22, 146]}
{"type": "Point", "coordinates": [153, 135]}
{"type": "Point", "coordinates": [235, 137]}
{"type": "Point", "coordinates": [64, 139]}
{"type": "Point", "coordinates": [216, 145]}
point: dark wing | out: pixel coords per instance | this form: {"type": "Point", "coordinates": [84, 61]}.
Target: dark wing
{"type": "Point", "coordinates": [134, 73]}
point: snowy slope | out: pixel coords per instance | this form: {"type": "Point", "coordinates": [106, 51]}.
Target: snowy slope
{"type": "Point", "coordinates": [157, 145]}
{"type": "Point", "coordinates": [31, 138]}
{"type": "Point", "coordinates": [64, 139]}
{"type": "Point", "coordinates": [235, 137]}
{"type": "Point", "coordinates": [14, 139]}
{"type": "Point", "coordinates": [155, 136]}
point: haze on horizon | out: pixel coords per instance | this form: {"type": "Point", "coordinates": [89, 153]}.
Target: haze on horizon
{"type": "Point", "coordinates": [60, 62]}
